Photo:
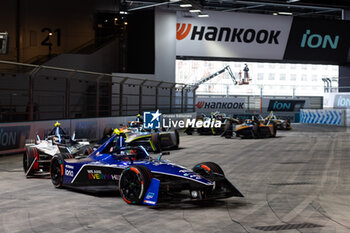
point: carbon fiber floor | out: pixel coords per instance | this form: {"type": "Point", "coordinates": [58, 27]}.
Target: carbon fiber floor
{"type": "Point", "coordinates": [297, 182]}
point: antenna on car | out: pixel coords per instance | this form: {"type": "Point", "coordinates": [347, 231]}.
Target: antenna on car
{"type": "Point", "coordinates": [161, 155]}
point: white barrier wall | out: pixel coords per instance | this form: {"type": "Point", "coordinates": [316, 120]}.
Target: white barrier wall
{"type": "Point", "coordinates": [13, 135]}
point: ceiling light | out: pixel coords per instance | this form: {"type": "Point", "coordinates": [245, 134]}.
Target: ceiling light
{"type": "Point", "coordinates": [291, 1]}
{"type": "Point", "coordinates": [285, 13]}
{"type": "Point", "coordinates": [185, 5]}
{"type": "Point", "coordinates": [274, 13]}
{"type": "Point", "coordinates": [123, 12]}
{"type": "Point", "coordinates": [195, 11]}
{"type": "Point", "coordinates": [203, 15]}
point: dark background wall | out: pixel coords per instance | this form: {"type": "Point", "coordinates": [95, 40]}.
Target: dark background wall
{"type": "Point", "coordinates": [80, 27]}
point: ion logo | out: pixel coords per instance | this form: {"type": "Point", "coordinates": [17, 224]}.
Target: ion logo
{"type": "Point", "coordinates": [341, 101]}
{"type": "Point", "coordinates": [281, 106]}
{"type": "Point", "coordinates": [316, 40]}
{"type": "Point", "coordinates": [151, 120]}
{"type": "Point", "coordinates": [200, 104]}
{"type": "Point", "coordinates": [285, 105]}
{"type": "Point", "coordinates": [182, 30]}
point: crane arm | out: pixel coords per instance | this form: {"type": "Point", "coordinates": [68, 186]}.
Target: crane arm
{"type": "Point", "coordinates": [206, 79]}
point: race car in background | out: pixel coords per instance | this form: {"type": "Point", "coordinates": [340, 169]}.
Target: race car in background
{"type": "Point", "coordinates": [152, 140]}
{"type": "Point", "coordinates": [254, 128]}
{"type": "Point", "coordinates": [280, 123]}
{"type": "Point", "coordinates": [38, 153]}
{"type": "Point", "coordinates": [226, 124]}
{"type": "Point", "coordinates": [140, 178]}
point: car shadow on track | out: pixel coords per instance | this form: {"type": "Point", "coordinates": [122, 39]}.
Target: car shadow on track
{"type": "Point", "coordinates": [200, 205]}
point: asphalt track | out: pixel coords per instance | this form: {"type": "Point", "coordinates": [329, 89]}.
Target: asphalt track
{"type": "Point", "coordinates": [296, 182]}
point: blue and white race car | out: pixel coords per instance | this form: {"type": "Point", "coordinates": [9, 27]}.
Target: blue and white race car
{"type": "Point", "coordinates": [140, 178]}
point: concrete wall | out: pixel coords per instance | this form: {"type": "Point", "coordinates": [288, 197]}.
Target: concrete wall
{"type": "Point", "coordinates": [165, 45]}
{"type": "Point", "coordinates": [73, 18]}
{"type": "Point", "coordinates": [104, 60]}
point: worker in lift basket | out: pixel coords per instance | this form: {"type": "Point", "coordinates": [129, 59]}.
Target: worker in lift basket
{"type": "Point", "coordinates": [246, 75]}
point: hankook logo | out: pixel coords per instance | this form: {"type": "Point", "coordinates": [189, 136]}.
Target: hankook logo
{"type": "Point", "coordinates": [182, 30]}
{"type": "Point", "coordinates": [200, 104]}
{"type": "Point", "coordinates": [227, 34]}
{"type": "Point", "coordinates": [220, 105]}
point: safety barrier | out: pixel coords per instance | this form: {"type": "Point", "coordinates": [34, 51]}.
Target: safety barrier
{"type": "Point", "coordinates": [31, 92]}
{"type": "Point", "coordinates": [13, 135]}
{"type": "Point", "coordinates": [323, 116]}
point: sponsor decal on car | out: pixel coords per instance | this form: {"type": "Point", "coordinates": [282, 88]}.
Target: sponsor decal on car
{"type": "Point", "coordinates": [69, 173]}
{"type": "Point", "coordinates": [150, 195]}
{"type": "Point", "coordinates": [98, 175]}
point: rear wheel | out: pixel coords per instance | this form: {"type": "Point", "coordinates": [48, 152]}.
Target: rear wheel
{"type": "Point", "coordinates": [188, 131]}
{"type": "Point", "coordinates": [88, 150]}
{"type": "Point", "coordinates": [155, 139]}
{"type": "Point", "coordinates": [107, 132]}
{"type": "Point", "coordinates": [30, 161]}
{"type": "Point", "coordinates": [133, 184]}
{"type": "Point", "coordinates": [57, 170]}
{"type": "Point", "coordinates": [228, 132]}
{"type": "Point", "coordinates": [274, 130]}
{"type": "Point", "coordinates": [177, 137]}
{"type": "Point", "coordinates": [207, 170]}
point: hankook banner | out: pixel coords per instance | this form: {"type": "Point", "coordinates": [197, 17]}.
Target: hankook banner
{"type": "Point", "coordinates": [229, 35]}
{"type": "Point", "coordinates": [232, 35]}
{"type": "Point", "coordinates": [223, 105]}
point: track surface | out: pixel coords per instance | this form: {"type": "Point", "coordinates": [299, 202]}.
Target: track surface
{"type": "Point", "coordinates": [297, 182]}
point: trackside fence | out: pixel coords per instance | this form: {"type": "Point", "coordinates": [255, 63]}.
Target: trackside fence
{"type": "Point", "coordinates": [33, 92]}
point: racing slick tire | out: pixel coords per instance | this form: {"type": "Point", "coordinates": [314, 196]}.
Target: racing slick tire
{"type": "Point", "coordinates": [57, 170]}
{"type": "Point", "coordinates": [30, 161]}
{"type": "Point", "coordinates": [188, 131]}
{"type": "Point", "coordinates": [133, 184]}
{"type": "Point", "coordinates": [228, 132]}
{"type": "Point", "coordinates": [88, 150]}
{"type": "Point", "coordinates": [274, 130]}
{"type": "Point", "coordinates": [107, 132]}
{"type": "Point", "coordinates": [177, 138]}
{"type": "Point", "coordinates": [207, 170]}
{"type": "Point", "coordinates": [256, 131]}
{"type": "Point", "coordinates": [155, 139]}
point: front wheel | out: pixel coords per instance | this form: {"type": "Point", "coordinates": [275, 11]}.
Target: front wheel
{"type": "Point", "coordinates": [207, 170]}
{"type": "Point", "coordinates": [30, 161]}
{"type": "Point", "coordinates": [57, 170]}
{"type": "Point", "coordinates": [133, 184]}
